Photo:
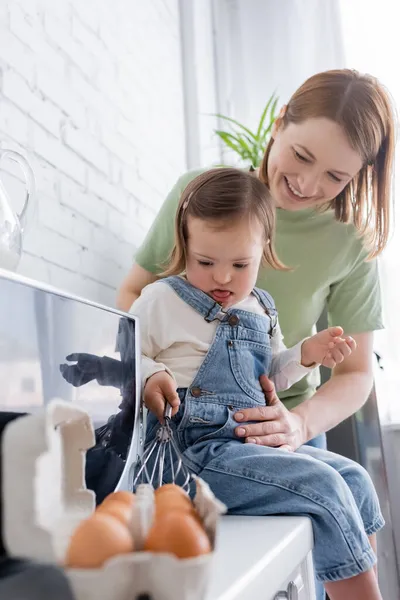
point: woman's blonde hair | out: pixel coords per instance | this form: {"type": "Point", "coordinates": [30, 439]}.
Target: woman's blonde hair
{"type": "Point", "coordinates": [361, 106]}
{"type": "Point", "coordinates": [223, 196]}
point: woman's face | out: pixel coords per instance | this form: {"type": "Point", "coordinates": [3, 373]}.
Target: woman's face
{"type": "Point", "coordinates": [310, 163]}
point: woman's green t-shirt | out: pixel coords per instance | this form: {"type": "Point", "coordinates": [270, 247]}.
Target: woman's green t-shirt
{"type": "Point", "coordinates": [329, 269]}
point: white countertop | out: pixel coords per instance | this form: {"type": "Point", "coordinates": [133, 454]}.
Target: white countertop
{"type": "Point", "coordinates": [254, 551]}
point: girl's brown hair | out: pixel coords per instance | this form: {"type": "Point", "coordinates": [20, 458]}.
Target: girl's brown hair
{"type": "Point", "coordinates": [360, 105]}
{"type": "Point", "coordinates": [223, 196]}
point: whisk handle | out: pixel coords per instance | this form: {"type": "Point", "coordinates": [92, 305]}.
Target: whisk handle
{"type": "Point", "coordinates": [168, 411]}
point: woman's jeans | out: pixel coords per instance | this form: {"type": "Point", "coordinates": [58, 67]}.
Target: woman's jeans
{"type": "Point", "coordinates": [318, 442]}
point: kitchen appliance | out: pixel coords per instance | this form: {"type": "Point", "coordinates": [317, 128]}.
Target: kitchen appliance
{"type": "Point", "coordinates": [12, 225]}
{"type": "Point", "coordinates": [55, 345]}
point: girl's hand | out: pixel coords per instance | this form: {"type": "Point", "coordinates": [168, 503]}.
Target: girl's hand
{"type": "Point", "coordinates": [159, 389]}
{"type": "Point", "coordinates": [327, 348]}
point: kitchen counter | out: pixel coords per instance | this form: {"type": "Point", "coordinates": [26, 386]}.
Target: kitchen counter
{"type": "Point", "coordinates": [257, 557]}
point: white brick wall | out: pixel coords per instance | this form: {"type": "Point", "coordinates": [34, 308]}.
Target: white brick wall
{"type": "Point", "coordinates": [91, 93]}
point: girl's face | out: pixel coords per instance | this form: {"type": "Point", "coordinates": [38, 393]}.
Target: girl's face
{"type": "Point", "coordinates": [310, 164]}
{"type": "Point", "coordinates": [224, 262]}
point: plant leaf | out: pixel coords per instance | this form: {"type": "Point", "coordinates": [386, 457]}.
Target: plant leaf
{"type": "Point", "coordinates": [230, 140]}
{"type": "Point", "coordinates": [244, 142]}
{"type": "Point", "coordinates": [264, 114]}
{"type": "Point", "coordinates": [225, 135]}
{"type": "Point", "coordinates": [272, 119]}
{"type": "Point", "coordinates": [240, 125]}
{"type": "Point", "coordinates": [244, 145]}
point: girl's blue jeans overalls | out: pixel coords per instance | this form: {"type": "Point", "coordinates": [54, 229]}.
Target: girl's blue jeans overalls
{"type": "Point", "coordinates": [334, 492]}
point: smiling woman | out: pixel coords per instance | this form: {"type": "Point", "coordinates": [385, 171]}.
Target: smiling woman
{"type": "Point", "coordinates": [303, 168]}
{"type": "Point", "coordinates": [334, 143]}
{"type": "Point", "coordinates": [338, 125]}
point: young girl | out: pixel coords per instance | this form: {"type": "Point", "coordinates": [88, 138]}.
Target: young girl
{"type": "Point", "coordinates": [208, 335]}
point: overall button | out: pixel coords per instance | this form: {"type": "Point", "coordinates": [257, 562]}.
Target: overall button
{"type": "Point", "coordinates": [196, 392]}
{"type": "Point", "coordinates": [230, 343]}
{"type": "Point", "coordinates": [233, 320]}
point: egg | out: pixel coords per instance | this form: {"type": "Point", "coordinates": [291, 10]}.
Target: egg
{"type": "Point", "coordinates": [172, 492]}
{"type": "Point", "coordinates": [121, 496]}
{"type": "Point", "coordinates": [97, 539]}
{"type": "Point", "coordinates": [178, 534]}
{"type": "Point", "coordinates": [170, 488]}
{"type": "Point", "coordinates": [171, 502]}
{"type": "Point", "coordinates": [171, 497]}
{"type": "Point", "coordinates": [120, 510]}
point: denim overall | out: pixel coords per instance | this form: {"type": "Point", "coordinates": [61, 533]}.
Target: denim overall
{"type": "Point", "coordinates": [336, 493]}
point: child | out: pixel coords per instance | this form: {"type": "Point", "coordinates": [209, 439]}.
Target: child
{"type": "Point", "coordinates": [208, 334]}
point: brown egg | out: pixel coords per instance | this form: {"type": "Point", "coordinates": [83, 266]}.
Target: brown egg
{"type": "Point", "coordinates": [173, 502]}
{"type": "Point", "coordinates": [97, 539]}
{"type": "Point", "coordinates": [176, 492]}
{"type": "Point", "coordinates": [178, 534]}
{"type": "Point", "coordinates": [168, 488]}
{"type": "Point", "coordinates": [120, 510]}
{"type": "Point", "coordinates": [121, 496]}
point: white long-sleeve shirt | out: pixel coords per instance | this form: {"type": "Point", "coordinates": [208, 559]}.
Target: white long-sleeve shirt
{"type": "Point", "coordinates": [176, 338]}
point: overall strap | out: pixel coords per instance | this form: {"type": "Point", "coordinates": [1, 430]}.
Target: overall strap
{"type": "Point", "coordinates": [268, 304]}
{"type": "Point", "coordinates": [197, 299]}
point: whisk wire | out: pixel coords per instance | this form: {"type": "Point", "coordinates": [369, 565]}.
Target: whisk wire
{"type": "Point", "coordinates": [162, 454]}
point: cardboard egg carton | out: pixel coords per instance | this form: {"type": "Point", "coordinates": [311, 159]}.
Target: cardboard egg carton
{"type": "Point", "coordinates": [45, 498]}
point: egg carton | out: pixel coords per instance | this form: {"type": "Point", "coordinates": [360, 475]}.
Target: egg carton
{"type": "Point", "coordinates": [45, 498]}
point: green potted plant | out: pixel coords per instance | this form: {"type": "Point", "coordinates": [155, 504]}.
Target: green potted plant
{"type": "Point", "coordinates": [249, 145]}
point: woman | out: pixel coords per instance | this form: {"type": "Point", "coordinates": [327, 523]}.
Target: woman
{"type": "Point", "coordinates": [335, 136]}
{"type": "Point", "coordinates": [328, 166]}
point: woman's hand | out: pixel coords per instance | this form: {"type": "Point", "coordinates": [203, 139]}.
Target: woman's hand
{"type": "Point", "coordinates": [327, 348]}
{"type": "Point", "coordinates": [159, 389]}
{"type": "Point", "coordinates": [278, 426]}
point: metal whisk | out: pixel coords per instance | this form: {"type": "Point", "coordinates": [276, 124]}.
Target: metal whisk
{"type": "Point", "coordinates": [160, 455]}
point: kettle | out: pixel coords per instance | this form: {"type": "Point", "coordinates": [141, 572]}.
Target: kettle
{"type": "Point", "coordinates": [12, 225]}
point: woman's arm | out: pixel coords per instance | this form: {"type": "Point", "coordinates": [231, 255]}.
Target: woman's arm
{"type": "Point", "coordinates": [340, 397]}
{"type": "Point", "coordinates": [344, 394]}
{"type": "Point", "coordinates": [132, 286]}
